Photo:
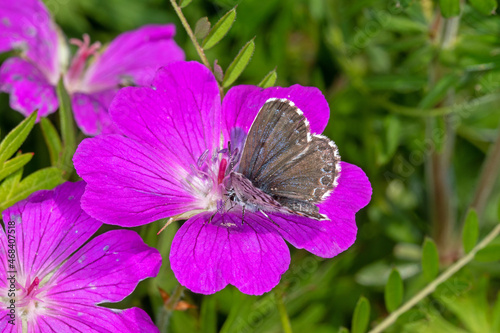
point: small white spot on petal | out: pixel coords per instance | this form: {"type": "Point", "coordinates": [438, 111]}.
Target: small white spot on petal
{"type": "Point", "coordinates": [105, 248]}
{"type": "Point", "coordinates": [6, 21]}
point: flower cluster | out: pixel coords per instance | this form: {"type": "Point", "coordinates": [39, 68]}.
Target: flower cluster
{"type": "Point", "coordinates": [168, 161]}
{"type": "Point", "coordinates": [167, 147]}
{"type": "Point", "coordinates": [56, 279]}
{"type": "Point", "coordinates": [30, 78]}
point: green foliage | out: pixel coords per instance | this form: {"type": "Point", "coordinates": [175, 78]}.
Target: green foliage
{"type": "Point", "coordinates": [68, 132]}
{"type": "Point", "coordinates": [16, 137]}
{"type": "Point", "coordinates": [393, 291]}
{"type": "Point", "coordinates": [220, 29]}
{"type": "Point", "coordinates": [470, 231]}
{"type": "Point", "coordinates": [202, 28]}
{"type": "Point", "coordinates": [450, 8]}
{"type": "Point", "coordinates": [361, 316]}
{"type": "Point", "coordinates": [486, 7]}
{"type": "Point", "coordinates": [430, 259]}
{"type": "Point", "coordinates": [239, 63]}
{"type": "Point", "coordinates": [269, 80]}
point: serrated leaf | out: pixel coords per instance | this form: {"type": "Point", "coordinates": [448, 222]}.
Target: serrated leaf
{"type": "Point", "coordinates": [269, 80]}
{"type": "Point", "coordinates": [489, 253]}
{"type": "Point", "coordinates": [67, 130]}
{"type": "Point", "coordinates": [361, 316]}
{"type": "Point", "coordinates": [449, 8]}
{"type": "Point", "coordinates": [220, 29]}
{"type": "Point", "coordinates": [430, 259]}
{"type": "Point", "coordinates": [16, 137]}
{"type": "Point", "coordinates": [485, 7]}
{"type": "Point", "coordinates": [470, 232]}
{"type": "Point", "coordinates": [202, 28]}
{"type": "Point", "coordinates": [52, 140]}
{"type": "Point", "coordinates": [14, 164]}
{"type": "Point", "coordinates": [43, 179]}
{"type": "Point", "coordinates": [393, 291]}
{"type": "Point", "coordinates": [239, 63]}
{"type": "Point", "coordinates": [184, 3]}
{"type": "Point", "coordinates": [208, 315]}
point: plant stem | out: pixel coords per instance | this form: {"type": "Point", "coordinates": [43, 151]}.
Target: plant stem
{"type": "Point", "coordinates": [433, 285]}
{"type": "Point", "coordinates": [488, 177]}
{"type": "Point", "coordinates": [196, 45]}
{"type": "Point", "coordinates": [168, 309]}
{"type": "Point", "coordinates": [190, 33]}
{"type": "Point", "coordinates": [285, 320]}
{"type": "Point", "coordinates": [438, 167]}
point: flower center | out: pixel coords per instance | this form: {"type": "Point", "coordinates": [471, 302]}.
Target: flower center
{"type": "Point", "coordinates": [73, 78]}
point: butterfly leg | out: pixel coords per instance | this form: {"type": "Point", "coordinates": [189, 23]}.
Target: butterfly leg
{"type": "Point", "coordinates": [270, 219]}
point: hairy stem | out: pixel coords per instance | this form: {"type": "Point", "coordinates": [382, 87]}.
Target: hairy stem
{"type": "Point", "coordinates": [433, 285]}
{"type": "Point", "coordinates": [190, 33]}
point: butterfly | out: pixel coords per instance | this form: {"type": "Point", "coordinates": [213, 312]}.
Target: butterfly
{"type": "Point", "coordinates": [284, 168]}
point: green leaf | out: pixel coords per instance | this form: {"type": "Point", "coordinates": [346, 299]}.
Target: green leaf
{"type": "Point", "coordinates": [14, 164]}
{"type": "Point", "coordinates": [486, 7]}
{"type": "Point", "coordinates": [437, 93]}
{"type": "Point", "coordinates": [208, 315]}
{"type": "Point", "coordinates": [184, 3]}
{"type": "Point", "coordinates": [361, 316]}
{"type": "Point", "coordinates": [16, 137]}
{"type": "Point", "coordinates": [202, 28]}
{"type": "Point", "coordinates": [269, 80]}
{"type": "Point", "coordinates": [239, 63]}
{"type": "Point", "coordinates": [343, 330]}
{"type": "Point", "coordinates": [67, 130]}
{"type": "Point", "coordinates": [430, 259]}
{"type": "Point", "coordinates": [43, 179]}
{"type": "Point", "coordinates": [393, 291]}
{"type": "Point", "coordinates": [219, 30]}
{"type": "Point", "coordinates": [470, 232]}
{"type": "Point", "coordinates": [495, 325]}
{"type": "Point", "coordinates": [488, 254]}
{"type": "Point", "coordinates": [8, 186]}
{"type": "Point", "coordinates": [52, 140]}
{"type": "Point", "coordinates": [449, 8]}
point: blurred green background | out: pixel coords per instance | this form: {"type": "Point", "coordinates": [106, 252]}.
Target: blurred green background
{"type": "Point", "coordinates": [415, 101]}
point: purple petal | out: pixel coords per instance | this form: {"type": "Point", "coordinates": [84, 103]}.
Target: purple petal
{"type": "Point", "coordinates": [180, 115]}
{"type": "Point", "coordinates": [129, 184]}
{"type": "Point", "coordinates": [242, 103]}
{"type": "Point", "coordinates": [27, 25]}
{"type": "Point", "coordinates": [50, 225]}
{"type": "Point", "coordinates": [5, 326]}
{"type": "Point", "coordinates": [329, 238]}
{"type": "Point", "coordinates": [135, 54]}
{"type": "Point", "coordinates": [81, 318]}
{"type": "Point", "coordinates": [91, 112]}
{"type": "Point", "coordinates": [107, 269]}
{"type": "Point", "coordinates": [28, 88]}
{"type": "Point", "coordinates": [205, 257]}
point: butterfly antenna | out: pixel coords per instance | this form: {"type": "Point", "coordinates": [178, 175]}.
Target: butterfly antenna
{"type": "Point", "coordinates": [270, 219]}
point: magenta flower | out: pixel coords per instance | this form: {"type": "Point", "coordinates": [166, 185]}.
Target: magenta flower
{"type": "Point", "coordinates": [132, 58]}
{"type": "Point", "coordinates": [171, 160]}
{"type": "Point", "coordinates": [51, 280]}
